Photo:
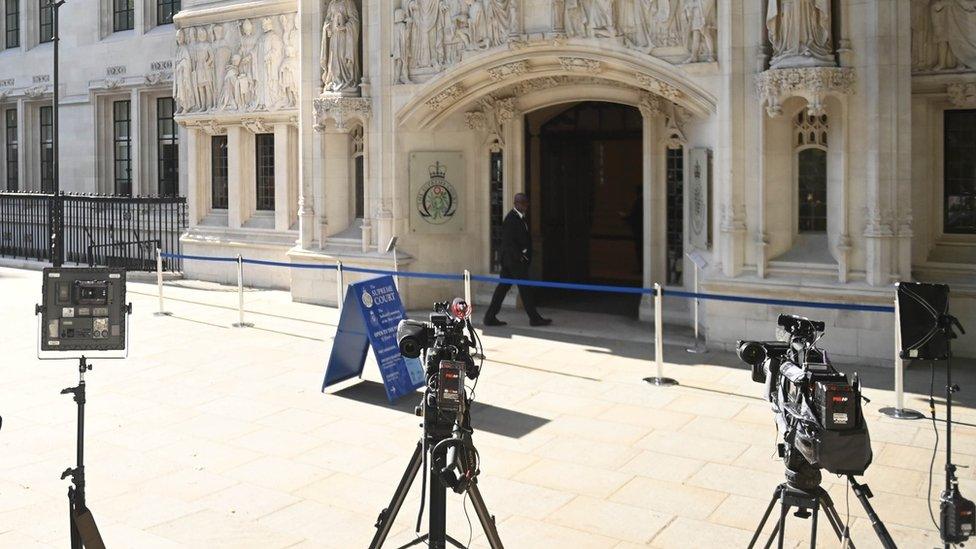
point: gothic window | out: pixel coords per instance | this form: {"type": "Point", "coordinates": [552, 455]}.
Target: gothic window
{"type": "Point", "coordinates": [218, 172]}
{"type": "Point", "coordinates": [47, 149]}
{"type": "Point", "coordinates": [675, 214]}
{"type": "Point", "coordinates": [495, 199]}
{"type": "Point", "coordinates": [168, 148]}
{"type": "Point", "coordinates": [359, 171]}
{"type": "Point", "coordinates": [959, 201]}
{"type": "Point", "coordinates": [122, 150]}
{"type": "Point", "coordinates": [12, 23]}
{"type": "Point", "coordinates": [123, 15]}
{"type": "Point", "coordinates": [165, 10]}
{"type": "Point", "coordinates": [46, 26]}
{"type": "Point", "coordinates": [13, 169]}
{"type": "Point", "coordinates": [810, 139]}
{"type": "Point", "coordinates": [265, 171]}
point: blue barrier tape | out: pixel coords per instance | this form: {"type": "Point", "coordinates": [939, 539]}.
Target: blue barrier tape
{"type": "Point", "coordinates": [267, 263]}
{"type": "Point", "coordinates": [784, 302]}
{"type": "Point", "coordinates": [558, 285]}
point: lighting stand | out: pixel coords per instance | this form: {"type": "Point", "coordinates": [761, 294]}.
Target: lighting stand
{"type": "Point", "coordinates": [946, 323]}
{"type": "Point", "coordinates": [435, 456]}
{"type": "Point", "coordinates": [84, 532]}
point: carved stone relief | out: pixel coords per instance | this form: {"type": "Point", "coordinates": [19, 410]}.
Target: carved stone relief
{"type": "Point", "coordinates": [812, 83]}
{"type": "Point", "coordinates": [341, 68]}
{"type": "Point", "coordinates": [432, 35]}
{"type": "Point", "coordinates": [242, 66]}
{"type": "Point", "coordinates": [341, 110]}
{"type": "Point", "coordinates": [943, 35]}
{"type": "Point", "coordinates": [800, 33]}
{"type": "Point", "coordinates": [962, 95]}
{"type": "Point", "coordinates": [494, 113]}
{"type": "Point", "coordinates": [503, 72]}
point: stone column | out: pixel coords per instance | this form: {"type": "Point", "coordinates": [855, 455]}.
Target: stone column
{"type": "Point", "coordinates": [284, 146]}
{"type": "Point", "coordinates": [135, 141]}
{"type": "Point", "coordinates": [237, 210]}
{"type": "Point", "coordinates": [337, 181]}
{"type": "Point", "coordinates": [650, 111]}
{"type": "Point", "coordinates": [367, 228]}
{"type": "Point", "coordinates": [309, 144]}
{"type": "Point", "coordinates": [22, 144]}
{"type": "Point", "coordinates": [196, 196]}
{"type": "Point", "coordinates": [729, 165]}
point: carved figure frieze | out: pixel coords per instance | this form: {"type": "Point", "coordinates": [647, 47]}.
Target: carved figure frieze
{"type": "Point", "coordinates": [812, 83]}
{"type": "Point", "coordinates": [800, 33]}
{"type": "Point", "coordinates": [943, 35]}
{"type": "Point", "coordinates": [341, 68]}
{"type": "Point", "coordinates": [239, 66]}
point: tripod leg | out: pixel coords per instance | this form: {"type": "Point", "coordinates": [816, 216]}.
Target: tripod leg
{"type": "Point", "coordinates": [87, 530]}
{"type": "Point", "coordinates": [73, 528]}
{"type": "Point", "coordinates": [863, 493]}
{"type": "Point", "coordinates": [487, 521]}
{"type": "Point", "coordinates": [782, 524]}
{"type": "Point", "coordinates": [833, 517]}
{"type": "Point", "coordinates": [762, 523]}
{"type": "Point", "coordinates": [813, 527]}
{"type": "Point", "coordinates": [388, 515]}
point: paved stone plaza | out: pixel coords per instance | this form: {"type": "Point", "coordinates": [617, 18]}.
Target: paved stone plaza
{"type": "Point", "coordinates": [212, 436]}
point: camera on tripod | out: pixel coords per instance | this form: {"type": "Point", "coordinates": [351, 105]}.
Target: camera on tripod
{"type": "Point", "coordinates": [818, 409]}
{"type": "Point", "coordinates": [818, 415]}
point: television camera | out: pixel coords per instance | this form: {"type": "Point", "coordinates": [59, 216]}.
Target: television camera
{"type": "Point", "coordinates": [446, 450]}
{"type": "Point", "coordinates": [818, 415]}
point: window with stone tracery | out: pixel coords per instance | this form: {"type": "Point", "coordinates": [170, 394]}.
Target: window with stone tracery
{"type": "Point", "coordinates": [810, 142]}
{"type": "Point", "coordinates": [358, 144]}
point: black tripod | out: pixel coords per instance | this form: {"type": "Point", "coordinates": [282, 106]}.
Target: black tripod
{"type": "Point", "coordinates": [948, 522]}
{"type": "Point", "coordinates": [439, 449]}
{"type": "Point", "coordinates": [803, 491]}
{"type": "Point", "coordinates": [84, 532]}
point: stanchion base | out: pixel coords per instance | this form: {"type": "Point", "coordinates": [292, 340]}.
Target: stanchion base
{"type": "Point", "coordinates": [242, 325]}
{"type": "Point", "coordinates": [162, 313]}
{"type": "Point", "coordinates": [902, 413]}
{"type": "Point", "coordinates": [661, 381]}
{"type": "Point", "coordinates": [698, 348]}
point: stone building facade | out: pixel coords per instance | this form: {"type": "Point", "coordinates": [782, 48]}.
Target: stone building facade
{"type": "Point", "coordinates": [804, 149]}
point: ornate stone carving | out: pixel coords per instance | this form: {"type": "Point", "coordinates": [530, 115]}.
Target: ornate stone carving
{"type": "Point", "coordinates": [658, 86]}
{"type": "Point", "coordinates": [239, 66]}
{"type": "Point", "coordinates": [36, 91]}
{"type": "Point", "coordinates": [962, 95]}
{"type": "Point", "coordinates": [733, 218]}
{"type": "Point", "coordinates": [341, 110]}
{"type": "Point", "coordinates": [543, 83]}
{"type": "Point", "coordinates": [699, 27]}
{"type": "Point", "coordinates": [943, 35]}
{"type": "Point", "coordinates": [256, 125]}
{"type": "Point", "coordinates": [401, 46]}
{"type": "Point", "coordinates": [503, 72]}
{"type": "Point", "coordinates": [674, 134]}
{"type": "Point", "coordinates": [450, 93]}
{"type": "Point", "coordinates": [878, 223]}
{"type": "Point", "coordinates": [650, 105]}
{"type": "Point", "coordinates": [113, 83]}
{"type": "Point", "coordinates": [800, 33]}
{"type": "Point", "coordinates": [476, 120]}
{"type": "Point", "coordinates": [341, 70]}
{"type": "Point", "coordinates": [156, 77]}
{"type": "Point", "coordinates": [494, 114]}
{"type": "Point", "coordinates": [812, 83]}
{"type": "Point", "coordinates": [580, 64]}
{"type": "Point", "coordinates": [211, 127]}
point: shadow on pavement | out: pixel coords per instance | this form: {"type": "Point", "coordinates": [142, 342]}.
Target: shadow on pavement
{"type": "Point", "coordinates": [484, 417]}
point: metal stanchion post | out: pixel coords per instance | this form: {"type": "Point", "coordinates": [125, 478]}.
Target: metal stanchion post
{"type": "Point", "coordinates": [159, 283]}
{"type": "Point", "coordinates": [698, 346]}
{"type": "Point", "coordinates": [240, 294]}
{"type": "Point", "coordinates": [660, 380]}
{"type": "Point", "coordinates": [467, 287]}
{"type": "Point", "coordinates": [339, 284]}
{"type": "Point", "coordinates": [391, 249]}
{"type": "Point", "coordinates": [899, 411]}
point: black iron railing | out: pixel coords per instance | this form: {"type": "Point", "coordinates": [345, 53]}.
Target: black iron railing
{"type": "Point", "coordinates": [114, 231]}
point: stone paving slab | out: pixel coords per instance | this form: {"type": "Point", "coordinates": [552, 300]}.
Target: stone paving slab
{"type": "Point", "coordinates": [212, 436]}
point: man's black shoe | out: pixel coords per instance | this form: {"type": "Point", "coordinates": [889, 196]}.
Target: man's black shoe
{"type": "Point", "coordinates": [540, 321]}
{"type": "Point", "coordinates": [494, 322]}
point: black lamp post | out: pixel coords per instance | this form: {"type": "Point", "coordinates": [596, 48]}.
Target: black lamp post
{"type": "Point", "coordinates": [57, 213]}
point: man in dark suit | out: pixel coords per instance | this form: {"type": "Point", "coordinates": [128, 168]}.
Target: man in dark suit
{"type": "Point", "coordinates": [516, 257]}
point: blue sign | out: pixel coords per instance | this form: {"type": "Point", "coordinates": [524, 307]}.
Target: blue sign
{"type": "Point", "coordinates": [371, 312]}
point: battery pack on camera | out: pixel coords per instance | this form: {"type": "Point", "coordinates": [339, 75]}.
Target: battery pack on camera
{"type": "Point", "coordinates": [450, 385]}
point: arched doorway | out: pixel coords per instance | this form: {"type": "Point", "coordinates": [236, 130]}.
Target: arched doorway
{"type": "Point", "coordinates": [584, 173]}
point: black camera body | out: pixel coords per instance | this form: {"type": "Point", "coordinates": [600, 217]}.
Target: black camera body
{"type": "Point", "coordinates": [818, 408]}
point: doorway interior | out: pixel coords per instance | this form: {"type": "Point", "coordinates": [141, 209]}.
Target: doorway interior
{"type": "Point", "coordinates": [584, 172]}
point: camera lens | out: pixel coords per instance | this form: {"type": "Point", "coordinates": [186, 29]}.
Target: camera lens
{"type": "Point", "coordinates": [410, 347]}
{"type": "Point", "coordinates": [751, 352]}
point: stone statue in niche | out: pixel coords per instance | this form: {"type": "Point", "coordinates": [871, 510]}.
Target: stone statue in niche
{"type": "Point", "coordinates": [457, 33]}
{"type": "Point", "coordinates": [203, 70]}
{"type": "Point", "coordinates": [800, 33]}
{"type": "Point", "coordinates": [699, 28]}
{"type": "Point", "coordinates": [288, 78]}
{"type": "Point", "coordinates": [272, 53]}
{"type": "Point", "coordinates": [340, 48]}
{"type": "Point", "coordinates": [230, 99]}
{"type": "Point", "coordinates": [943, 35]}
{"type": "Point", "coordinates": [249, 62]}
{"type": "Point", "coordinates": [497, 21]}
{"type": "Point", "coordinates": [477, 24]}
{"type": "Point", "coordinates": [183, 86]}
{"type": "Point", "coordinates": [401, 47]}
